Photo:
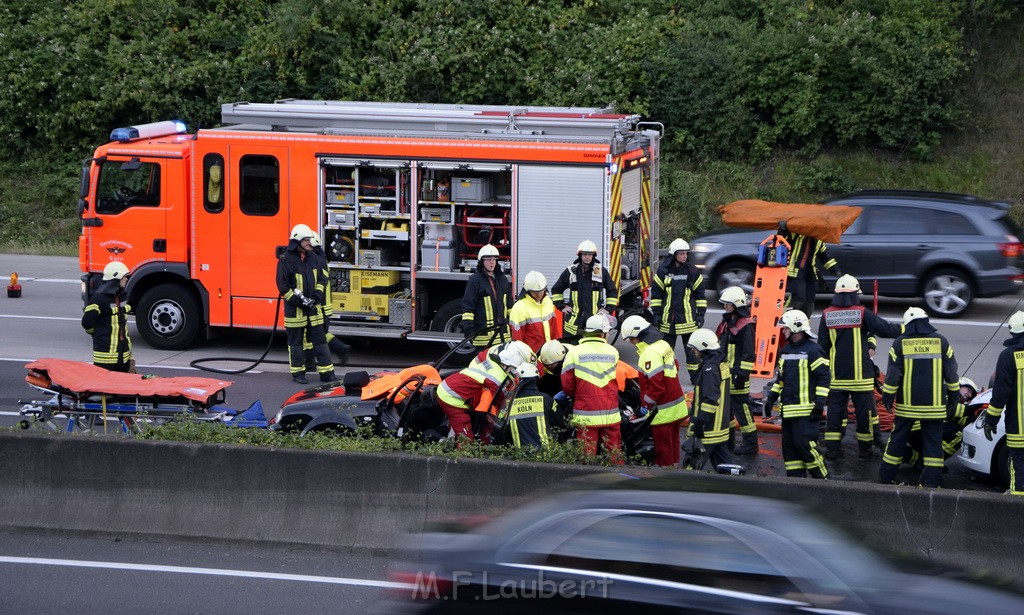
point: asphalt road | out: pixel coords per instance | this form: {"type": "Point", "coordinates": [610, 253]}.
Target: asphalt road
{"type": "Point", "coordinates": [49, 574]}
{"type": "Point", "coordinates": [44, 322]}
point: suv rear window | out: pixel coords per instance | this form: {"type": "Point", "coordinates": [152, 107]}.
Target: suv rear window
{"type": "Point", "coordinates": [949, 223]}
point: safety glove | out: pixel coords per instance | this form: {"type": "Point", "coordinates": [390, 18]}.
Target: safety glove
{"type": "Point", "coordinates": [991, 426]}
{"type": "Point", "coordinates": [888, 399]}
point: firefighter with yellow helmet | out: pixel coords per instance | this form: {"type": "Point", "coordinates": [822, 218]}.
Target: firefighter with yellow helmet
{"type": "Point", "coordinates": [106, 319]}
{"type": "Point", "coordinates": [583, 289]}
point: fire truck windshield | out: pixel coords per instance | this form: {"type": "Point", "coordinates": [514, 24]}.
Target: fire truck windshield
{"type": "Point", "coordinates": [123, 185]}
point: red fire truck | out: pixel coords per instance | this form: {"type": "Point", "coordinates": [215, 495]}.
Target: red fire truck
{"type": "Point", "coordinates": [403, 195]}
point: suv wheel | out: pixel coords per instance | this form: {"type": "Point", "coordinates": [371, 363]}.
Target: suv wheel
{"type": "Point", "coordinates": [734, 273]}
{"type": "Point", "coordinates": [947, 293]}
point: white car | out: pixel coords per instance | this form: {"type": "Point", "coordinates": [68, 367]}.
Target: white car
{"type": "Point", "coordinates": [977, 453]}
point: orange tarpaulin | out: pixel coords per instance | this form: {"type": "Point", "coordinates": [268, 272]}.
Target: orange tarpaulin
{"type": "Point", "coordinates": [824, 222]}
{"type": "Point", "coordinates": [87, 378]}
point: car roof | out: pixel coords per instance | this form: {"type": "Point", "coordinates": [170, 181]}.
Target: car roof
{"type": "Point", "coordinates": [921, 197]}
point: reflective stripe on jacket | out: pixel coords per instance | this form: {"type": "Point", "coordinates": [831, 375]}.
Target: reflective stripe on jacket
{"type": "Point", "coordinates": [803, 378]}
{"type": "Point", "coordinates": [588, 377]}
{"type": "Point", "coordinates": [922, 374]}
{"type": "Point", "coordinates": [711, 396]}
{"type": "Point", "coordinates": [678, 297]}
{"type": "Point", "coordinates": [659, 382]}
{"type": "Point", "coordinates": [533, 323]}
{"type": "Point", "coordinates": [584, 293]}
{"type": "Point", "coordinates": [846, 334]}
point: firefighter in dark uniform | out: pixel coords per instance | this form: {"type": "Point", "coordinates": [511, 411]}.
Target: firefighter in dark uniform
{"type": "Point", "coordinates": [802, 389]}
{"type": "Point", "coordinates": [302, 284]}
{"type": "Point", "coordinates": [921, 382]}
{"type": "Point", "coordinates": [709, 414]}
{"type": "Point", "coordinates": [803, 273]}
{"type": "Point", "coordinates": [589, 287]}
{"type": "Point", "coordinates": [334, 343]}
{"type": "Point", "coordinates": [1008, 395]}
{"type": "Point", "coordinates": [847, 335]}
{"type": "Point", "coordinates": [952, 428]}
{"type": "Point", "coordinates": [531, 413]}
{"type": "Point", "coordinates": [486, 302]}
{"type": "Point", "coordinates": [736, 334]}
{"type": "Point", "coordinates": [678, 301]}
{"type": "Point", "coordinates": [106, 320]}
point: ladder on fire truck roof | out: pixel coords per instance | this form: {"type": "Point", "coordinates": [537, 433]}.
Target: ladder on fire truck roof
{"type": "Point", "coordinates": [337, 117]}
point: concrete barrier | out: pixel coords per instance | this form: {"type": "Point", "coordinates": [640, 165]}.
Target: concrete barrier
{"type": "Point", "coordinates": [367, 502]}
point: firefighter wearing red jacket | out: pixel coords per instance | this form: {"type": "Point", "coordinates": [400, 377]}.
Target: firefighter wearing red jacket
{"type": "Point", "coordinates": [588, 377]}
{"type": "Point", "coordinates": [660, 391]}
{"type": "Point", "coordinates": [736, 334]}
{"type": "Point", "coordinates": [480, 386]}
{"type": "Point", "coordinates": [532, 318]}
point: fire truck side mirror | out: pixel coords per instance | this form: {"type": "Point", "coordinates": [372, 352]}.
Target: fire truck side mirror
{"type": "Point", "coordinates": [279, 251]}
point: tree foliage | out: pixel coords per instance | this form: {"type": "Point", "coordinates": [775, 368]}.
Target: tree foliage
{"type": "Point", "coordinates": [730, 78]}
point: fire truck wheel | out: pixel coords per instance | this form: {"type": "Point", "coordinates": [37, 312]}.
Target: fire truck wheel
{"type": "Point", "coordinates": [448, 319]}
{"type": "Point", "coordinates": [168, 317]}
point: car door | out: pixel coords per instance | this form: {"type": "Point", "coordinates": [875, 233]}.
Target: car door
{"type": "Point", "coordinates": [889, 244]}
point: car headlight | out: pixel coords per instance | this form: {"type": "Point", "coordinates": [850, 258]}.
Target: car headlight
{"type": "Point", "coordinates": [705, 247]}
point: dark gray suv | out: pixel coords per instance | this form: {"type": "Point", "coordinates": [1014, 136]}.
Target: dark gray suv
{"type": "Point", "coordinates": [946, 249]}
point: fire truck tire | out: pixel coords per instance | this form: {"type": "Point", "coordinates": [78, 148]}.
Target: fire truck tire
{"type": "Point", "coordinates": [168, 317]}
{"type": "Point", "coordinates": [448, 319]}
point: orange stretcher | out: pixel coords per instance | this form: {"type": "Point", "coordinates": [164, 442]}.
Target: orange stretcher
{"type": "Point", "coordinates": [85, 394]}
{"type": "Point", "coordinates": [824, 222]}
{"type": "Point", "coordinates": [767, 303]}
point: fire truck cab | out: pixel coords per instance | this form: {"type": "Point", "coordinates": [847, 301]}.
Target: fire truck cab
{"type": "Point", "coordinates": [403, 196]}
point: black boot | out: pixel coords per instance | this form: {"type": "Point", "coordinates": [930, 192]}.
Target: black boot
{"type": "Point", "coordinates": [731, 442]}
{"type": "Point", "coordinates": [300, 378]}
{"type": "Point", "coordinates": [864, 449]}
{"type": "Point", "coordinates": [328, 377]}
{"type": "Point", "coordinates": [749, 445]}
{"type": "Point", "coordinates": [340, 350]}
{"type": "Point", "coordinates": [833, 450]}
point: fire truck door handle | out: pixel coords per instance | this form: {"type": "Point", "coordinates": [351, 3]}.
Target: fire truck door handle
{"type": "Point", "coordinates": [159, 245]}
{"type": "Point", "coordinates": [92, 221]}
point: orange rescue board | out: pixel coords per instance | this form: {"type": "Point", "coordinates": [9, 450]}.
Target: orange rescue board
{"type": "Point", "coordinates": [768, 301]}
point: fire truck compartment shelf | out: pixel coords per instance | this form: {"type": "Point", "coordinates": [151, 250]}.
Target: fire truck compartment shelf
{"type": "Point", "coordinates": [369, 329]}
{"type": "Point", "coordinates": [339, 227]}
{"type": "Point", "coordinates": [442, 275]}
{"type": "Point", "coordinates": [337, 265]}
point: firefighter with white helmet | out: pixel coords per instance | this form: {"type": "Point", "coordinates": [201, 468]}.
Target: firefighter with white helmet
{"type": "Point", "coordinates": [802, 388]}
{"type": "Point", "coordinates": [334, 343]}
{"type": "Point", "coordinates": [678, 299]}
{"type": "Point", "coordinates": [709, 415]}
{"type": "Point", "coordinates": [479, 389]}
{"type": "Point", "coordinates": [847, 333]}
{"type": "Point", "coordinates": [106, 319]}
{"type": "Point", "coordinates": [660, 391]}
{"type": "Point", "coordinates": [303, 285]}
{"type": "Point", "coordinates": [583, 289]}
{"type": "Point", "coordinates": [736, 334]}
{"type": "Point", "coordinates": [549, 363]}
{"type": "Point", "coordinates": [532, 318]}
{"type": "Point", "coordinates": [588, 378]}
{"type": "Point", "coordinates": [486, 301]}
{"type": "Point", "coordinates": [806, 253]}
{"type": "Point", "coordinates": [531, 413]}
{"type": "Point", "coordinates": [922, 384]}
{"type": "Point", "coordinates": [1008, 397]}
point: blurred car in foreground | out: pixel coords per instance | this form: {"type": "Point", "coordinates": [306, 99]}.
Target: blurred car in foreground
{"type": "Point", "coordinates": [672, 551]}
{"type": "Point", "coordinates": [944, 248]}
{"type": "Point", "coordinates": [986, 457]}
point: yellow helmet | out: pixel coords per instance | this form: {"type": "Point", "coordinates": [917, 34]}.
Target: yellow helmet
{"type": "Point", "coordinates": [301, 231]}
{"type": "Point", "coordinates": [534, 281]}
{"type": "Point", "coordinates": [114, 271]}
{"type": "Point", "coordinates": [704, 339]}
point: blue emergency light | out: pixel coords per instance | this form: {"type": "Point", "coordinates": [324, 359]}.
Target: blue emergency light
{"type": "Point", "coordinates": [147, 131]}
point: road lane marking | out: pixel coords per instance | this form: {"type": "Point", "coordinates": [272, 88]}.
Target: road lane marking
{"type": "Point", "coordinates": [40, 317]}
{"type": "Point", "coordinates": [221, 572]}
{"type": "Point", "coordinates": [147, 366]}
{"type": "Point", "coordinates": [51, 280]}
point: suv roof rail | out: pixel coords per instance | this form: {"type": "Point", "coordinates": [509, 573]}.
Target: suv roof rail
{"type": "Point", "coordinates": [925, 194]}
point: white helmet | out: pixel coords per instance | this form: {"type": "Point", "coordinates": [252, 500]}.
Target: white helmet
{"type": "Point", "coordinates": [734, 295]}
{"type": "Point", "coordinates": [487, 250]}
{"type": "Point", "coordinates": [527, 370]}
{"type": "Point", "coordinates": [301, 231]}
{"type": "Point", "coordinates": [632, 326]}
{"type": "Point", "coordinates": [315, 240]}
{"type": "Point", "coordinates": [795, 320]}
{"type": "Point", "coordinates": [678, 245]}
{"type": "Point", "coordinates": [598, 322]}
{"type": "Point", "coordinates": [534, 281]}
{"type": "Point", "coordinates": [586, 246]}
{"type": "Point", "coordinates": [847, 284]}
{"type": "Point", "coordinates": [967, 382]}
{"type": "Point", "coordinates": [114, 271]}
{"type": "Point", "coordinates": [704, 339]}
{"type": "Point", "coordinates": [1017, 322]}
{"type": "Point", "coordinates": [515, 354]}
{"type": "Point", "coordinates": [916, 313]}
{"type": "Point", "coordinates": [553, 351]}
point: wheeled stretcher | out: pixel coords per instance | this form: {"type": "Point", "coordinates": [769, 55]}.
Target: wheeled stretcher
{"type": "Point", "coordinates": [88, 395]}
